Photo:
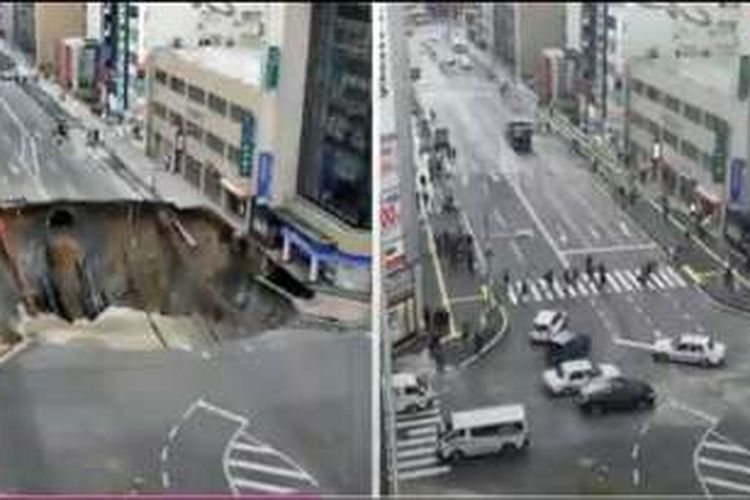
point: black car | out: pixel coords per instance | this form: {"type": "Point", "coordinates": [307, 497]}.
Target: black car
{"type": "Point", "coordinates": [568, 345]}
{"type": "Point", "coordinates": [618, 393]}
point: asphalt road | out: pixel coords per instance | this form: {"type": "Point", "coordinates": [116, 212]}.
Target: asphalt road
{"type": "Point", "coordinates": [552, 194]}
{"type": "Point", "coordinates": [286, 412]}
{"type": "Point", "coordinates": [33, 166]}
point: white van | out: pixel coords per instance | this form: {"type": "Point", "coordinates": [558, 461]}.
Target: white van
{"type": "Point", "coordinates": [483, 431]}
{"type": "Point", "coordinates": [411, 392]}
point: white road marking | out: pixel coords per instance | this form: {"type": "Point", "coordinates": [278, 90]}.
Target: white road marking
{"type": "Point", "coordinates": [622, 280]}
{"type": "Point", "coordinates": [222, 412]}
{"type": "Point", "coordinates": [264, 487]}
{"type": "Point", "coordinates": [558, 290]}
{"type": "Point", "coordinates": [512, 296]}
{"type": "Point", "coordinates": [415, 452]}
{"type": "Point", "coordinates": [164, 454]}
{"type": "Point", "coordinates": [676, 276]}
{"type": "Point", "coordinates": [624, 228]}
{"type": "Point", "coordinates": [545, 289]}
{"type": "Point", "coordinates": [636, 477]}
{"type": "Point", "coordinates": [268, 469]}
{"type": "Point", "coordinates": [252, 448]}
{"type": "Point", "coordinates": [613, 283]}
{"type": "Point", "coordinates": [418, 422]}
{"type": "Point", "coordinates": [633, 280]}
{"type": "Point", "coordinates": [173, 432]}
{"type": "Point", "coordinates": [542, 228]}
{"type": "Point", "coordinates": [635, 452]}
{"type": "Point", "coordinates": [424, 472]}
{"type": "Point", "coordinates": [408, 443]}
{"type": "Point", "coordinates": [730, 448]}
{"type": "Point", "coordinates": [613, 248]}
{"type": "Point", "coordinates": [633, 343]}
{"type": "Point", "coordinates": [666, 278]}
{"type": "Point", "coordinates": [594, 233]}
{"type": "Point", "coordinates": [729, 485]}
{"type": "Point", "coordinates": [418, 462]}
{"type": "Point", "coordinates": [582, 288]}
{"type": "Point", "coordinates": [165, 479]}
{"type": "Point", "coordinates": [517, 251]}
{"type": "Point", "coordinates": [426, 431]}
{"type": "Point", "coordinates": [659, 283]}
{"type": "Point", "coordinates": [500, 219]}
{"type": "Point", "coordinates": [535, 292]}
{"type": "Point", "coordinates": [571, 289]}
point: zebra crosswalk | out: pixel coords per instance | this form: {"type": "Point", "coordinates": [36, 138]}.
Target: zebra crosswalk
{"type": "Point", "coordinates": [417, 444]}
{"type": "Point", "coordinates": [254, 468]}
{"type": "Point", "coordinates": [618, 281]}
{"type": "Point", "coordinates": [723, 466]}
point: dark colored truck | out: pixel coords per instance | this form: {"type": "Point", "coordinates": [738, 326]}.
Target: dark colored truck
{"type": "Point", "coordinates": [518, 134]}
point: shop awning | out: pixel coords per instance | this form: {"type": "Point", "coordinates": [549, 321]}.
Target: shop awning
{"type": "Point", "coordinates": [239, 190]}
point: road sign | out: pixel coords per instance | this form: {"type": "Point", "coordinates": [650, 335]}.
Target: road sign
{"type": "Point", "coordinates": [265, 176]}
{"type": "Point", "coordinates": [247, 145]}
{"type": "Point", "coordinates": [737, 181]}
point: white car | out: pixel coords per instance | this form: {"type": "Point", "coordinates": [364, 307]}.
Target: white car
{"type": "Point", "coordinates": [690, 348]}
{"type": "Point", "coordinates": [569, 376]}
{"type": "Point", "coordinates": [465, 62]}
{"type": "Point", "coordinates": [547, 324]}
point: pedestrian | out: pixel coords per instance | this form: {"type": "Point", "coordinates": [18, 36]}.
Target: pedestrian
{"type": "Point", "coordinates": [549, 277]}
{"type": "Point", "coordinates": [506, 278]}
{"type": "Point", "coordinates": [574, 275]}
{"type": "Point", "coordinates": [729, 276]}
{"type": "Point", "coordinates": [470, 262]}
{"type": "Point", "coordinates": [602, 275]}
{"type": "Point", "coordinates": [524, 289]}
{"type": "Point", "coordinates": [477, 342]}
{"type": "Point", "coordinates": [589, 265]}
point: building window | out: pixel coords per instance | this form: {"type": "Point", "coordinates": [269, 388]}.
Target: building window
{"type": "Point", "coordinates": [193, 130]}
{"type": "Point", "coordinates": [653, 128]}
{"type": "Point", "coordinates": [175, 119]}
{"type": "Point", "coordinates": [217, 104]}
{"type": "Point", "coordinates": [161, 77]}
{"type": "Point", "coordinates": [214, 143]}
{"type": "Point", "coordinates": [238, 112]}
{"type": "Point", "coordinates": [690, 151]}
{"type": "Point", "coordinates": [177, 85]}
{"type": "Point", "coordinates": [713, 122]}
{"type": "Point", "coordinates": [233, 155]}
{"type": "Point", "coordinates": [653, 93]}
{"type": "Point", "coordinates": [692, 113]}
{"type": "Point", "coordinates": [637, 86]}
{"type": "Point", "coordinates": [636, 119]}
{"type": "Point", "coordinates": [672, 103]}
{"type": "Point", "coordinates": [707, 161]}
{"type": "Point", "coordinates": [196, 94]}
{"type": "Point", "coordinates": [158, 109]}
{"type": "Point", "coordinates": [671, 139]}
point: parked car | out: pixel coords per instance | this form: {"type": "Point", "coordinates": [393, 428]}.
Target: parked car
{"type": "Point", "coordinates": [547, 323]}
{"type": "Point", "coordinates": [690, 348]}
{"type": "Point", "coordinates": [411, 392]}
{"type": "Point", "coordinates": [618, 393]}
{"type": "Point", "coordinates": [568, 377]}
{"type": "Point", "coordinates": [483, 431]}
{"type": "Point", "coordinates": [568, 345]}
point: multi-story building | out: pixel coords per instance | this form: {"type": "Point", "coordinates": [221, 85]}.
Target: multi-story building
{"type": "Point", "coordinates": [593, 40]}
{"type": "Point", "coordinates": [556, 77]}
{"type": "Point", "coordinates": [130, 31]}
{"type": "Point", "coordinates": [522, 30]}
{"type": "Point", "coordinates": [38, 26]}
{"type": "Point", "coordinates": [279, 134]}
{"type": "Point", "coordinates": [6, 20]}
{"type": "Point", "coordinates": [691, 114]}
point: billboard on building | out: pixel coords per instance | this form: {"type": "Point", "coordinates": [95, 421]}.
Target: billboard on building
{"type": "Point", "coordinates": [265, 177]}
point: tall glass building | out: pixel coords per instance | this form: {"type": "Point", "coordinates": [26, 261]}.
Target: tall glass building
{"type": "Point", "coordinates": [335, 167]}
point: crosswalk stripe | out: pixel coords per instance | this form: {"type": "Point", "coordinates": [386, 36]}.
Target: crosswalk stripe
{"type": "Point", "coordinates": [417, 462]}
{"type": "Point", "coordinates": [614, 284]}
{"type": "Point", "coordinates": [423, 431]}
{"type": "Point", "coordinates": [731, 448]}
{"type": "Point", "coordinates": [416, 452]}
{"type": "Point", "coordinates": [729, 485]}
{"type": "Point", "coordinates": [617, 276]}
{"type": "Point", "coordinates": [591, 284]}
{"type": "Point", "coordinates": [571, 290]}
{"type": "Point", "coordinates": [239, 445]}
{"type": "Point", "coordinates": [558, 290]}
{"type": "Point", "coordinates": [632, 278]}
{"type": "Point", "coordinates": [425, 472]}
{"type": "Point", "coordinates": [582, 288]}
{"type": "Point", "coordinates": [657, 281]}
{"type": "Point", "coordinates": [666, 278]}
{"type": "Point", "coordinates": [408, 443]}
{"type": "Point", "coordinates": [545, 289]}
{"type": "Point", "coordinates": [720, 464]}
{"type": "Point", "coordinates": [264, 487]}
{"type": "Point", "coordinates": [417, 415]}
{"type": "Point", "coordinates": [268, 469]}
{"type": "Point", "coordinates": [678, 278]}
{"type": "Point", "coordinates": [535, 292]}
{"type": "Point", "coordinates": [512, 296]}
{"type": "Point", "coordinates": [418, 423]}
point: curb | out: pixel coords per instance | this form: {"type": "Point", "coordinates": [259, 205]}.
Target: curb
{"type": "Point", "coordinates": [500, 335]}
{"type": "Point", "coordinates": [16, 350]}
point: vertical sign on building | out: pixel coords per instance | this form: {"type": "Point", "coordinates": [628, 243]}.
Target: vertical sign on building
{"type": "Point", "coordinates": [737, 188]}
{"type": "Point", "coordinates": [273, 63]}
{"type": "Point", "coordinates": [744, 78]}
{"type": "Point", "coordinates": [247, 145]}
{"type": "Point", "coordinates": [265, 177]}
{"type": "Point", "coordinates": [720, 154]}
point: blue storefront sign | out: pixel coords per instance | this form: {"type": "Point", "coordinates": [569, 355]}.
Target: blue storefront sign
{"type": "Point", "coordinates": [247, 145]}
{"type": "Point", "coordinates": [737, 182]}
{"type": "Point", "coordinates": [265, 176]}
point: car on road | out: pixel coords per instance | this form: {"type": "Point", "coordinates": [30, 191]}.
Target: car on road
{"type": "Point", "coordinates": [482, 431]}
{"type": "Point", "coordinates": [519, 135]}
{"type": "Point", "coordinates": [411, 392]}
{"type": "Point", "coordinates": [616, 393]}
{"type": "Point", "coordinates": [547, 324]}
{"type": "Point", "coordinates": [568, 377]}
{"type": "Point", "coordinates": [566, 346]}
{"type": "Point", "coordinates": [690, 348]}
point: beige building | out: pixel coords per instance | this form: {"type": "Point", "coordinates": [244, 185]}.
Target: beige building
{"type": "Point", "coordinates": [522, 30]}
{"type": "Point", "coordinates": [38, 26]}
